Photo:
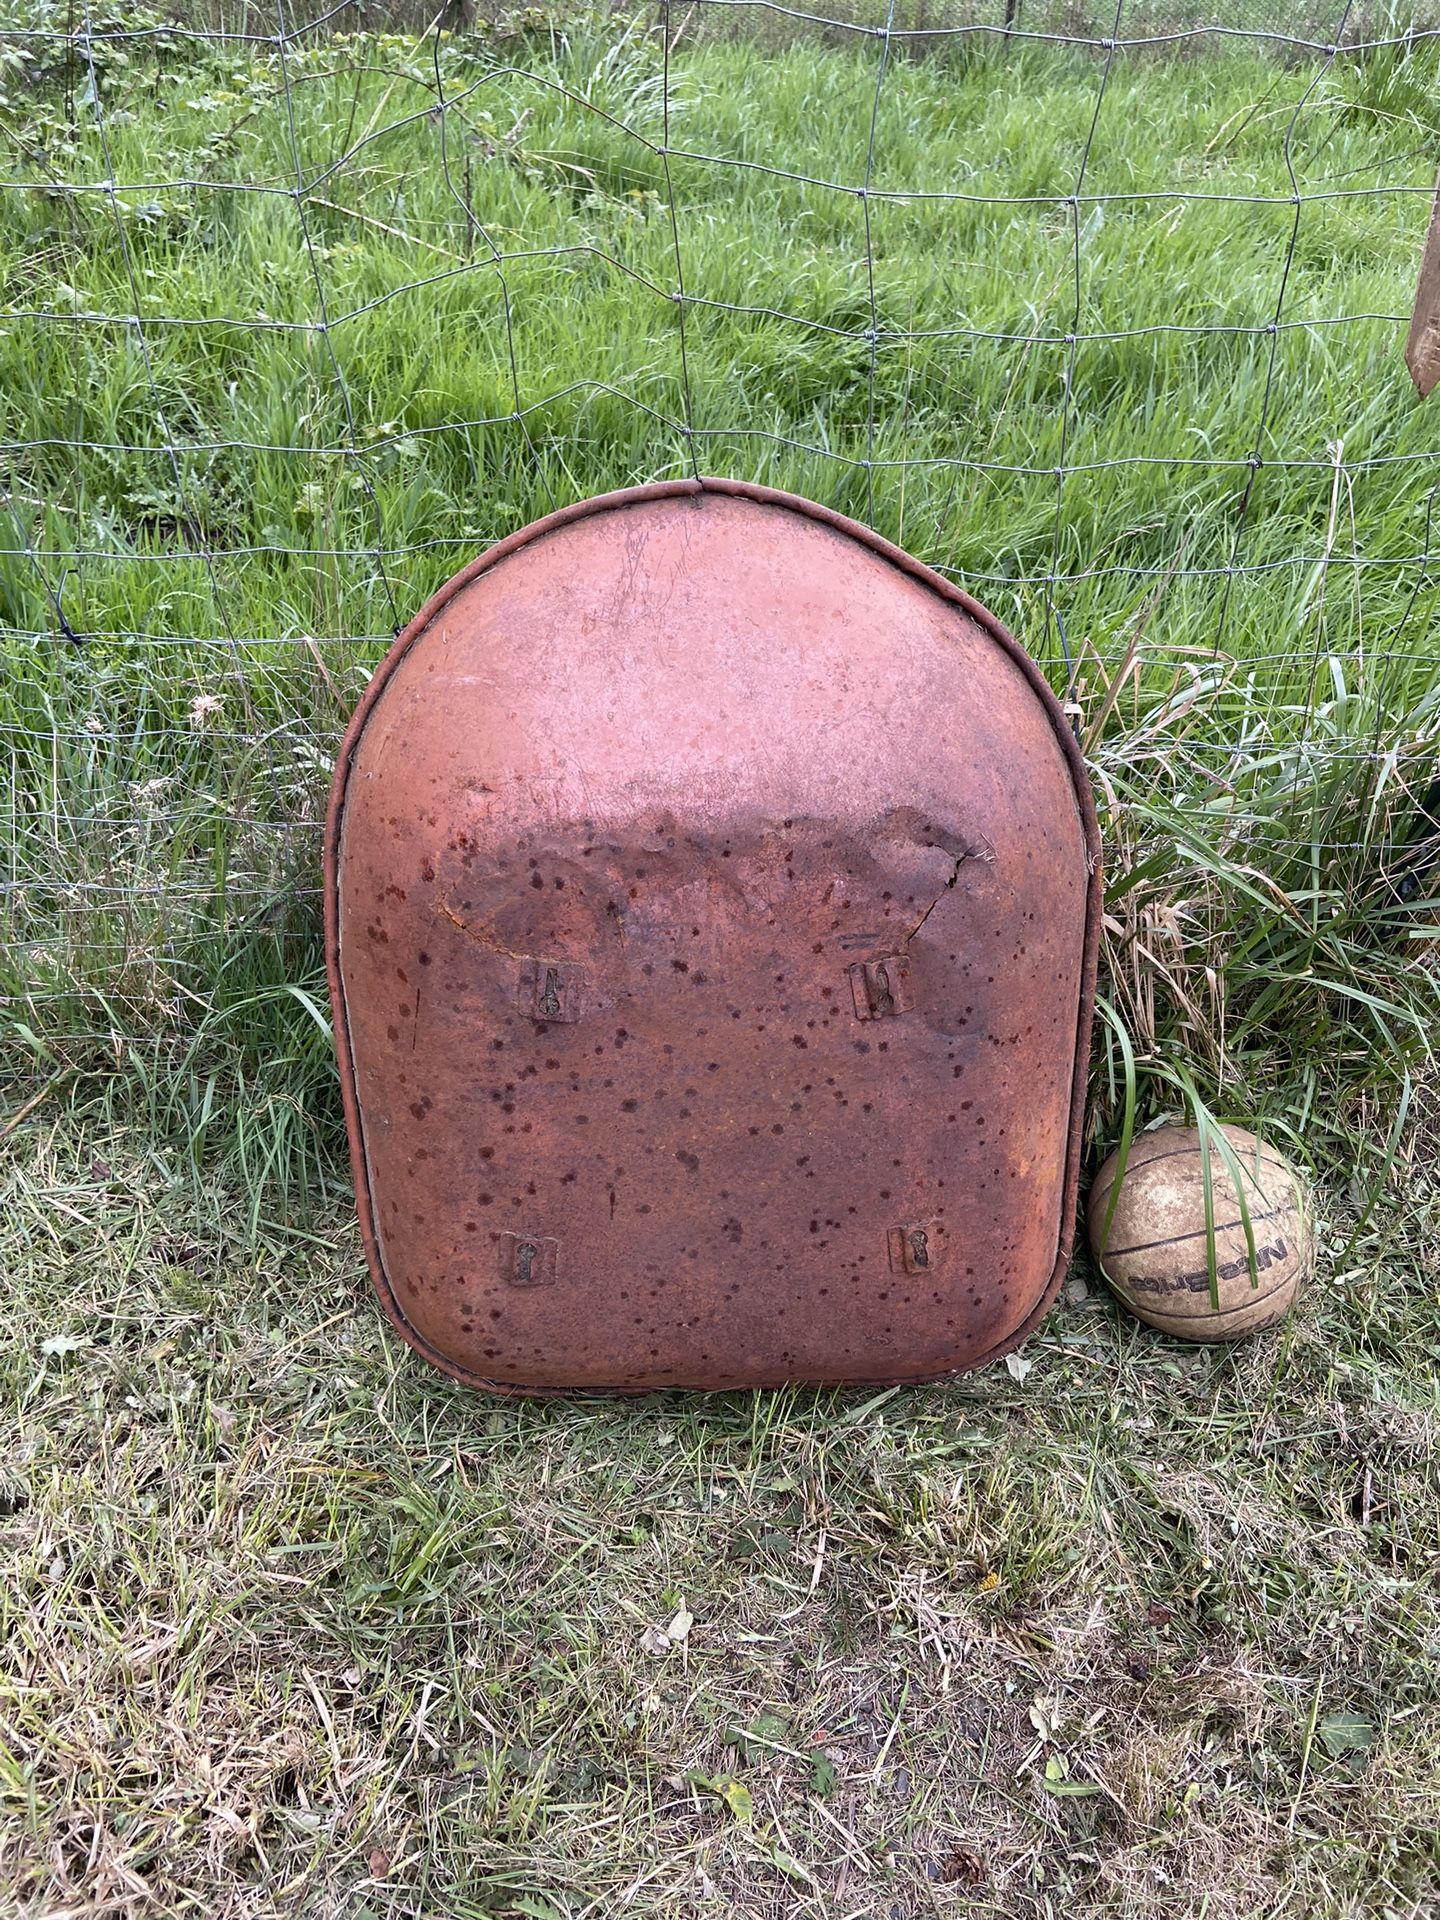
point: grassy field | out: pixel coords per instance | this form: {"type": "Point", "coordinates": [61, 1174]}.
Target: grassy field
{"type": "Point", "coordinates": [291, 1626]}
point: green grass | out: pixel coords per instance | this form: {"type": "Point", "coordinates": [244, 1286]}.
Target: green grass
{"type": "Point", "coordinates": [292, 1626]}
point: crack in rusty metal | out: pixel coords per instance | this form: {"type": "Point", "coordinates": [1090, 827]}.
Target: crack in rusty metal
{"type": "Point", "coordinates": [949, 884]}
{"type": "Point", "coordinates": [478, 934]}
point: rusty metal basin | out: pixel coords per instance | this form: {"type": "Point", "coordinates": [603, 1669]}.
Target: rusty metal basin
{"type": "Point", "coordinates": [712, 900]}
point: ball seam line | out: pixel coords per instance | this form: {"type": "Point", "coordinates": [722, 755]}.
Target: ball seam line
{"type": "Point", "coordinates": [1198, 1233]}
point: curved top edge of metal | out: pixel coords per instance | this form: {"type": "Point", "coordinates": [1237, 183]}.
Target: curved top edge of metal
{"type": "Point", "coordinates": [623, 497]}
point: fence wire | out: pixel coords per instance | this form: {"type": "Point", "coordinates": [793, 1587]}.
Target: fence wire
{"type": "Point", "coordinates": [1097, 309]}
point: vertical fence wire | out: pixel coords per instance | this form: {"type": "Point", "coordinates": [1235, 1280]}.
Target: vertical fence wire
{"type": "Point", "coordinates": [1072, 339]}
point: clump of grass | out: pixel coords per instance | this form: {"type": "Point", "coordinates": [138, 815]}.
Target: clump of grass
{"type": "Point", "coordinates": [1269, 897]}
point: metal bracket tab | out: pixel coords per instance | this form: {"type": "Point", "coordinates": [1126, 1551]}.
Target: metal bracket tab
{"type": "Point", "coordinates": [918, 1248]}
{"type": "Point", "coordinates": [881, 987]}
{"type": "Point", "coordinates": [529, 1259]}
{"type": "Point", "coordinates": [553, 990]}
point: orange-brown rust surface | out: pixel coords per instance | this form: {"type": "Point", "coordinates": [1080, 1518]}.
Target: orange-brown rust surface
{"type": "Point", "coordinates": [712, 899]}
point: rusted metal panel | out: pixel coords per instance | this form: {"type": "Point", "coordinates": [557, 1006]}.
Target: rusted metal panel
{"type": "Point", "coordinates": [712, 903]}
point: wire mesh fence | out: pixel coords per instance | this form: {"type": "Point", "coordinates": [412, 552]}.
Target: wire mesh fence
{"type": "Point", "coordinates": [1096, 308]}
{"type": "Point", "coordinates": [1301, 26]}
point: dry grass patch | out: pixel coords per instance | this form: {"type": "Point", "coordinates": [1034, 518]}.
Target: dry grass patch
{"type": "Point", "coordinates": [293, 1627]}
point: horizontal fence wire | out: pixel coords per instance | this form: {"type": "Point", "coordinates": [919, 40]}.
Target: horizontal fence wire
{"type": "Point", "coordinates": [1097, 308]}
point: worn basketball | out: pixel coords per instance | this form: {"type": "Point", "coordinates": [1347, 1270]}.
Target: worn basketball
{"type": "Point", "coordinates": [1156, 1250]}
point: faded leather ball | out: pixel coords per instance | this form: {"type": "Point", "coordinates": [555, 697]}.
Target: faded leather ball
{"type": "Point", "coordinates": [1155, 1255]}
